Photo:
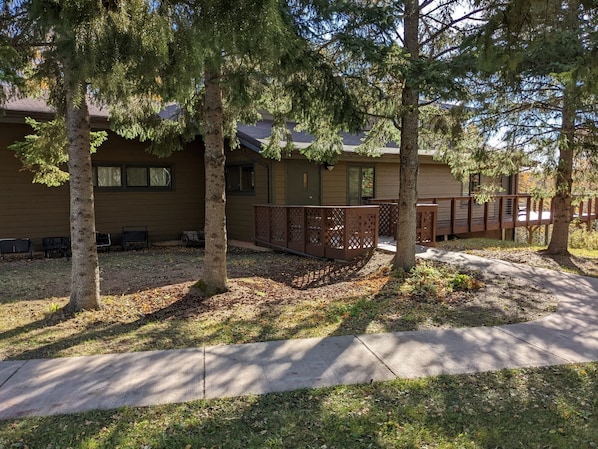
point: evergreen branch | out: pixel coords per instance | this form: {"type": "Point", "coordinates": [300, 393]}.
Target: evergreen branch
{"type": "Point", "coordinates": [447, 26]}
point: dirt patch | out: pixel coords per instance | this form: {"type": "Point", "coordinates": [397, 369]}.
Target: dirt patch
{"type": "Point", "coordinates": [150, 302]}
{"type": "Point", "coordinates": [270, 279]}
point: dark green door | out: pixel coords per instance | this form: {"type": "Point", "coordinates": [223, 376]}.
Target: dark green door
{"type": "Point", "coordinates": [303, 183]}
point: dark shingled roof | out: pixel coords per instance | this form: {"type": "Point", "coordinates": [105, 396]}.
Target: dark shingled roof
{"type": "Point", "coordinates": [38, 107]}
{"type": "Point", "coordinates": [254, 136]}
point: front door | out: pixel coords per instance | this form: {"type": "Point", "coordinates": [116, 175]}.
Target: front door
{"type": "Point", "coordinates": [303, 183]}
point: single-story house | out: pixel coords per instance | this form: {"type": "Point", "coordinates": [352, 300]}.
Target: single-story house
{"type": "Point", "coordinates": [135, 188]}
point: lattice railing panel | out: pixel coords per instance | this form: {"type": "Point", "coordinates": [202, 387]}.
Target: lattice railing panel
{"type": "Point", "coordinates": [335, 219]}
{"type": "Point", "coordinates": [278, 224]}
{"type": "Point", "coordinates": [340, 232]}
{"type": "Point", "coordinates": [385, 225]}
{"type": "Point", "coordinates": [295, 224]}
{"type": "Point", "coordinates": [354, 231]}
{"type": "Point", "coordinates": [313, 218]}
{"type": "Point", "coordinates": [369, 239]}
{"type": "Point", "coordinates": [262, 223]}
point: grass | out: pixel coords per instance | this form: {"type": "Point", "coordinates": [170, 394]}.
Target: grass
{"type": "Point", "coordinates": [314, 299]}
{"type": "Point", "coordinates": [484, 244]}
{"type": "Point", "coordinates": [554, 407]}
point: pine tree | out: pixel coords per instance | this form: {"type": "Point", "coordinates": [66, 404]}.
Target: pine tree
{"type": "Point", "coordinates": [226, 72]}
{"type": "Point", "coordinates": [79, 52]}
{"type": "Point", "coordinates": [400, 57]}
{"type": "Point", "coordinates": [538, 60]}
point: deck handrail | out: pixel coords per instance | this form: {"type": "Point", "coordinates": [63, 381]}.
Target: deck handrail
{"type": "Point", "coordinates": [463, 215]}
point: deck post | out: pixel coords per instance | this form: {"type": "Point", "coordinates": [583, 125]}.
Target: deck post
{"type": "Point", "coordinates": [453, 215]}
{"type": "Point", "coordinates": [470, 214]}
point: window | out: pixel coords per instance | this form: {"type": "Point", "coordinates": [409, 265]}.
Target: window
{"type": "Point", "coordinates": [240, 178]}
{"type": "Point", "coordinates": [473, 185]}
{"type": "Point", "coordinates": [360, 185]}
{"type": "Point", "coordinates": [133, 177]}
{"type": "Point", "coordinates": [160, 177]}
{"type": "Point", "coordinates": [137, 177]}
{"type": "Point", "coordinates": [107, 177]}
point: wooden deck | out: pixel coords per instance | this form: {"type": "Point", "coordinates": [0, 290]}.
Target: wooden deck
{"type": "Point", "coordinates": [346, 232]}
{"type": "Point", "coordinates": [335, 232]}
{"type": "Point", "coordinates": [462, 215]}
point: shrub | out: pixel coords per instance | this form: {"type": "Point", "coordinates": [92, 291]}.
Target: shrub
{"type": "Point", "coordinates": [581, 238]}
{"type": "Point", "coordinates": [431, 282]}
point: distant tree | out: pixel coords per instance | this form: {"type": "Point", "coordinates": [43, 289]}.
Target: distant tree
{"type": "Point", "coordinates": [45, 152]}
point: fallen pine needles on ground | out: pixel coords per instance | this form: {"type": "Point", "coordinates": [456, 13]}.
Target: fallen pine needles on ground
{"type": "Point", "coordinates": [150, 303]}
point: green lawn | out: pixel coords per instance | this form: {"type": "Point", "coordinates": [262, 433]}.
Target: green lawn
{"type": "Point", "coordinates": [492, 244]}
{"type": "Point", "coordinates": [553, 407]}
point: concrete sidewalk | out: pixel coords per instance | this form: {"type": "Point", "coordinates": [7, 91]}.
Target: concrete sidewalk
{"type": "Point", "coordinates": [67, 385]}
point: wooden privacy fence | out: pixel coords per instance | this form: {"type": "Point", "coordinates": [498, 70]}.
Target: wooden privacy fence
{"type": "Point", "coordinates": [335, 232]}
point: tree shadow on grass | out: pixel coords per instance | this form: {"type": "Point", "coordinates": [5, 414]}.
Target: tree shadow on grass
{"type": "Point", "coordinates": [131, 271]}
{"type": "Point", "coordinates": [549, 407]}
{"type": "Point", "coordinates": [572, 264]}
{"type": "Point", "coordinates": [264, 319]}
{"type": "Point", "coordinates": [301, 272]}
{"type": "Point", "coordinates": [165, 328]}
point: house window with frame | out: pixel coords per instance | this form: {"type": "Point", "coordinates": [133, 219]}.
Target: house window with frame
{"type": "Point", "coordinates": [132, 177]}
{"type": "Point", "coordinates": [473, 184]}
{"type": "Point", "coordinates": [360, 184]}
{"type": "Point", "coordinates": [107, 176]}
{"type": "Point", "coordinates": [240, 179]}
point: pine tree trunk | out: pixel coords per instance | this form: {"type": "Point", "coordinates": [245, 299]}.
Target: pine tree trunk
{"type": "Point", "coordinates": [561, 203]}
{"type": "Point", "coordinates": [406, 227]}
{"type": "Point", "coordinates": [85, 275]}
{"type": "Point", "coordinates": [214, 269]}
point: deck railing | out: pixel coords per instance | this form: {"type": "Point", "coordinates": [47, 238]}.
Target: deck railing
{"type": "Point", "coordinates": [426, 220]}
{"type": "Point", "coordinates": [462, 215]}
{"type": "Point", "coordinates": [335, 232]}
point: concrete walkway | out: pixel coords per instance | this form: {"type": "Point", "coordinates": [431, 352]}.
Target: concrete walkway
{"type": "Point", "coordinates": [67, 385]}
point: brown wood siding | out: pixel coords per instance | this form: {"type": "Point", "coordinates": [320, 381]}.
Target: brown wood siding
{"type": "Point", "coordinates": [434, 180]}
{"type": "Point", "coordinates": [166, 214]}
{"type": "Point", "coordinates": [437, 180]}
{"type": "Point", "coordinates": [334, 185]}
{"type": "Point", "coordinates": [27, 209]}
{"type": "Point", "coordinates": [36, 211]}
{"type": "Point", "coordinates": [279, 182]}
{"type": "Point", "coordinates": [239, 207]}
{"type": "Point", "coordinates": [387, 180]}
